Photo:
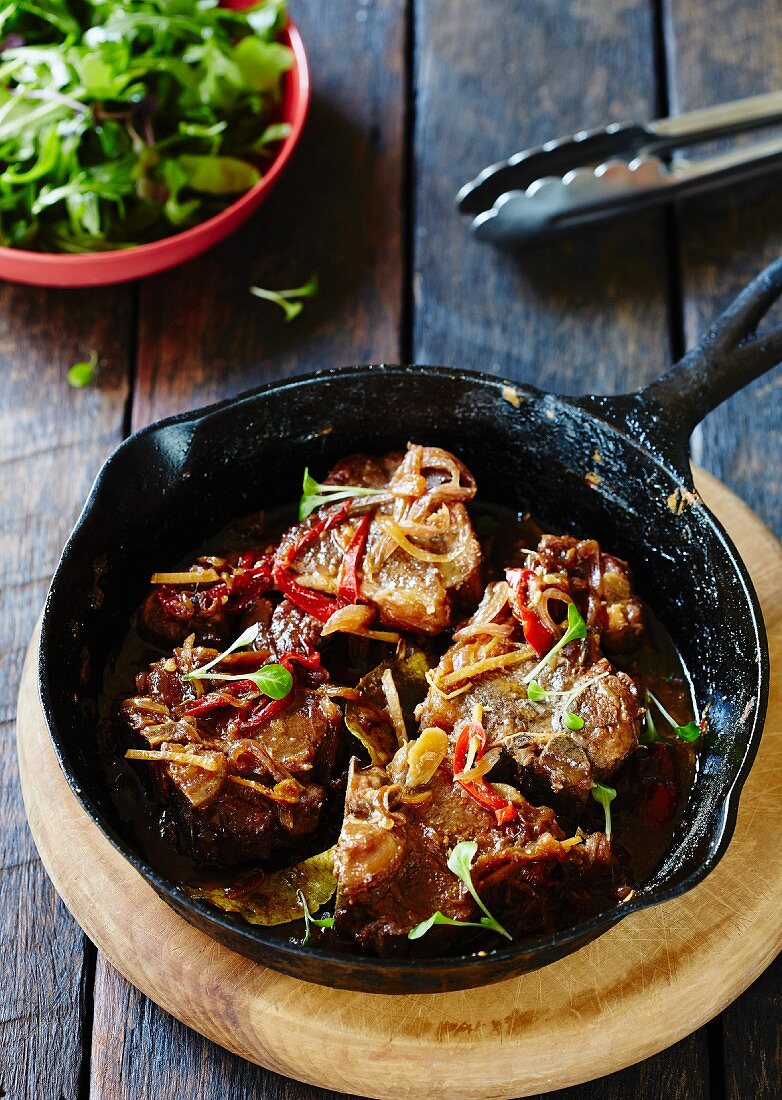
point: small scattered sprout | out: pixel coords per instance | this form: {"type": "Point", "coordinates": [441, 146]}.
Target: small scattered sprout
{"type": "Point", "coordinates": [605, 796]}
{"type": "Point", "coordinates": [314, 493]}
{"type": "Point", "coordinates": [275, 681]}
{"type": "Point", "coordinates": [82, 374]}
{"type": "Point", "coordinates": [689, 733]}
{"type": "Point", "coordinates": [535, 692]}
{"type": "Point", "coordinates": [460, 862]}
{"type": "Point", "coordinates": [573, 721]}
{"type": "Point", "coordinates": [576, 629]}
{"type": "Point", "coordinates": [247, 637]}
{"type": "Point", "coordinates": [288, 300]}
{"type": "Point", "coordinates": [309, 920]}
{"type": "Point", "coordinates": [649, 734]}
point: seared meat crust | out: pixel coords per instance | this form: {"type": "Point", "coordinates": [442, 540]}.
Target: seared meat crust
{"type": "Point", "coordinates": [219, 765]}
{"type": "Point", "coordinates": [421, 557]}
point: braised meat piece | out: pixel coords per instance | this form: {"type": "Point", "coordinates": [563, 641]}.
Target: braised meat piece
{"type": "Point", "coordinates": [392, 854]}
{"type": "Point", "coordinates": [242, 775]}
{"type": "Point", "coordinates": [214, 599]}
{"type": "Point", "coordinates": [409, 553]}
{"type": "Point", "coordinates": [489, 666]}
{"type": "Point", "coordinates": [599, 583]}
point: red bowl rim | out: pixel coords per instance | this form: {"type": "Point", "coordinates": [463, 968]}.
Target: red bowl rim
{"type": "Point", "coordinates": [203, 233]}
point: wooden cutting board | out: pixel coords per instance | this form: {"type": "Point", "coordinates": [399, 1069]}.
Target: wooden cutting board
{"type": "Point", "coordinates": [651, 980]}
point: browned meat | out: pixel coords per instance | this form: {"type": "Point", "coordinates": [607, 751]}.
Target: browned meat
{"type": "Point", "coordinates": [391, 860]}
{"type": "Point", "coordinates": [421, 556]}
{"type": "Point", "coordinates": [600, 585]}
{"type": "Point", "coordinates": [215, 609]}
{"type": "Point", "coordinates": [243, 777]}
{"type": "Point", "coordinates": [489, 664]}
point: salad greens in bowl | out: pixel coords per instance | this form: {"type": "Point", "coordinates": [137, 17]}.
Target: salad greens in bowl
{"type": "Point", "coordinates": [136, 133]}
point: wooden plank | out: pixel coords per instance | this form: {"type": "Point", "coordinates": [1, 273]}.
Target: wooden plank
{"type": "Point", "coordinates": [141, 1053]}
{"type": "Point", "coordinates": [716, 52]}
{"type": "Point", "coordinates": [202, 336]}
{"type": "Point", "coordinates": [52, 440]}
{"type": "Point", "coordinates": [588, 313]}
{"type": "Point", "coordinates": [720, 51]}
{"type": "Point", "coordinates": [336, 213]}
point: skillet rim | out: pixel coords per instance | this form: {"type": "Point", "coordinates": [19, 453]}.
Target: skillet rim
{"type": "Point", "coordinates": [498, 963]}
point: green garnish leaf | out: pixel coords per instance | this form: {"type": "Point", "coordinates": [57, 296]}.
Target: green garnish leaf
{"type": "Point", "coordinates": [438, 918]}
{"type": "Point", "coordinates": [535, 692]}
{"type": "Point", "coordinates": [689, 733]}
{"type": "Point", "coordinates": [573, 721]}
{"type": "Point", "coordinates": [309, 920]}
{"type": "Point", "coordinates": [287, 300]}
{"type": "Point", "coordinates": [275, 681]}
{"type": "Point", "coordinates": [649, 734]}
{"type": "Point", "coordinates": [576, 629]}
{"type": "Point", "coordinates": [82, 374]}
{"type": "Point", "coordinates": [247, 637]}
{"type": "Point", "coordinates": [605, 796]}
{"type": "Point", "coordinates": [313, 494]}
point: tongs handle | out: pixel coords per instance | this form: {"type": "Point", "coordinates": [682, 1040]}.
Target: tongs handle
{"type": "Point", "coordinates": [724, 120]}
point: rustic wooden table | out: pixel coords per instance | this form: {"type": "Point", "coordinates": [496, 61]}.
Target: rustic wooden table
{"type": "Point", "coordinates": [412, 97]}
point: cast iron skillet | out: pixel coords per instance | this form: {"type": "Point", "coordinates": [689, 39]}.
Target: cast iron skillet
{"type": "Point", "coordinates": [172, 483]}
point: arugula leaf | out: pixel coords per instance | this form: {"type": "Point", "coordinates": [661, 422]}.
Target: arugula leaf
{"type": "Point", "coordinates": [92, 97]}
{"type": "Point", "coordinates": [82, 374]}
{"type": "Point", "coordinates": [285, 299]}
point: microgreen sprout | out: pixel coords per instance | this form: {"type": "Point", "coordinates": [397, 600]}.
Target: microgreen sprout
{"type": "Point", "coordinates": [314, 493]}
{"type": "Point", "coordinates": [275, 681]}
{"type": "Point", "coordinates": [247, 637]}
{"type": "Point", "coordinates": [605, 796]}
{"type": "Point", "coordinates": [460, 862]}
{"type": "Point", "coordinates": [309, 920]}
{"type": "Point", "coordinates": [573, 721]}
{"type": "Point", "coordinates": [288, 300]}
{"type": "Point", "coordinates": [535, 692]}
{"type": "Point", "coordinates": [649, 734]}
{"type": "Point", "coordinates": [576, 628]}
{"type": "Point", "coordinates": [691, 732]}
{"type": "Point", "coordinates": [81, 374]}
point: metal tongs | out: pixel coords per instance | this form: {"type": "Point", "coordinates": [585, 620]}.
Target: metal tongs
{"type": "Point", "coordinates": [598, 174]}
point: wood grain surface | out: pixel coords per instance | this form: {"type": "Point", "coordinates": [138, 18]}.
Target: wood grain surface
{"type": "Point", "coordinates": [668, 969]}
{"type": "Point", "coordinates": [411, 98]}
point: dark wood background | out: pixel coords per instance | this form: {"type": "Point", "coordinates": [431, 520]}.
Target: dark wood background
{"type": "Point", "coordinates": [411, 98]}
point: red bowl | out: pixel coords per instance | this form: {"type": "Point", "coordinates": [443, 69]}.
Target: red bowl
{"type": "Point", "coordinates": [102, 268]}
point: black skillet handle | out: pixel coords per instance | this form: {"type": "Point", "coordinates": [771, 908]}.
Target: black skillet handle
{"type": "Point", "coordinates": [727, 358]}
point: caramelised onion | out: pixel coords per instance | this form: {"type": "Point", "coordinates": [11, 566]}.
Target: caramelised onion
{"type": "Point", "coordinates": [394, 706]}
{"type": "Point", "coordinates": [541, 609]}
{"type": "Point", "coordinates": [480, 768]}
{"type": "Point", "coordinates": [353, 619]}
{"type": "Point", "coordinates": [391, 528]}
{"type": "Point", "coordinates": [287, 791]}
{"type": "Point", "coordinates": [511, 793]}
